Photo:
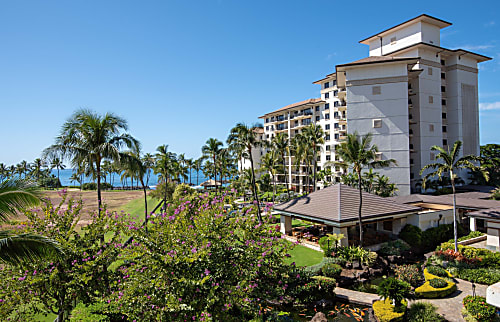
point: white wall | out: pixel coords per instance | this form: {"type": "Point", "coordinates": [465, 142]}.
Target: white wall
{"type": "Point", "coordinates": [429, 219]}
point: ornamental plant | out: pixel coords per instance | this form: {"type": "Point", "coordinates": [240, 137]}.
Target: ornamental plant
{"type": "Point", "coordinates": [478, 308]}
{"type": "Point", "coordinates": [394, 289]}
{"type": "Point", "coordinates": [438, 283]}
{"type": "Point", "coordinates": [197, 263]}
{"type": "Point", "coordinates": [409, 273]}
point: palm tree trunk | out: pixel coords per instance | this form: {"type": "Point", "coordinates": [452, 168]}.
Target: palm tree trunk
{"type": "Point", "coordinates": [145, 206]}
{"type": "Point", "coordinates": [360, 209]}
{"type": "Point", "coordinates": [285, 172]}
{"type": "Point", "coordinates": [274, 187]}
{"type": "Point", "coordinates": [215, 174]}
{"type": "Point", "coordinates": [314, 169]}
{"type": "Point", "coordinates": [455, 231]}
{"type": "Point", "coordinates": [256, 198]}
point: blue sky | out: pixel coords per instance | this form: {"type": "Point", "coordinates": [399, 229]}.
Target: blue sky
{"type": "Point", "coordinates": [183, 71]}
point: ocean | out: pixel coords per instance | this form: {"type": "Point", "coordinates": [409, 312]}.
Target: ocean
{"type": "Point", "coordinates": [64, 175]}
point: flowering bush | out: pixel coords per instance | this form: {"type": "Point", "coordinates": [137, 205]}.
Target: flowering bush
{"type": "Point", "coordinates": [331, 270]}
{"type": "Point", "coordinates": [438, 283]}
{"type": "Point", "coordinates": [478, 308]}
{"type": "Point", "coordinates": [409, 273]}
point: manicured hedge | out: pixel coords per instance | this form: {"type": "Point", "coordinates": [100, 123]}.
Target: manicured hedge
{"type": "Point", "coordinates": [479, 275]}
{"type": "Point", "coordinates": [385, 311]}
{"type": "Point", "coordinates": [427, 291]}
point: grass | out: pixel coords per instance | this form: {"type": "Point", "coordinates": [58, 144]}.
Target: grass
{"type": "Point", "coordinates": [303, 256]}
{"type": "Point", "coordinates": [136, 207]}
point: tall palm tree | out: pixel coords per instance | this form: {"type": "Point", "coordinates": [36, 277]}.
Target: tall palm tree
{"type": "Point", "coordinates": [450, 164]}
{"type": "Point", "coordinates": [163, 168]}
{"type": "Point", "coordinates": [148, 160]}
{"type": "Point", "coordinates": [90, 138]}
{"type": "Point", "coordinates": [36, 169]}
{"type": "Point", "coordinates": [270, 163]}
{"type": "Point", "coordinates": [189, 164]}
{"type": "Point", "coordinates": [17, 194]}
{"type": "Point", "coordinates": [3, 171]}
{"type": "Point", "coordinates": [197, 165]}
{"type": "Point", "coordinates": [281, 145]}
{"type": "Point", "coordinates": [314, 136]}
{"type": "Point", "coordinates": [358, 152]}
{"type": "Point", "coordinates": [210, 150]}
{"type": "Point", "coordinates": [248, 137]}
{"type": "Point", "coordinates": [58, 164]}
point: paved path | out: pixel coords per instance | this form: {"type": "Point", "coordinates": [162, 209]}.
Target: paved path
{"type": "Point", "coordinates": [355, 296]}
{"type": "Point", "coordinates": [451, 307]}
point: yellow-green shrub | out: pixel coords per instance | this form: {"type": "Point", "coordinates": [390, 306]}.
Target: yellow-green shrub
{"type": "Point", "coordinates": [428, 276]}
{"type": "Point", "coordinates": [385, 311]}
{"type": "Point", "coordinates": [427, 291]}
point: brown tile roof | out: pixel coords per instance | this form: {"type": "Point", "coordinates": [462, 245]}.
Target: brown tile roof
{"type": "Point", "coordinates": [463, 200]}
{"type": "Point", "coordinates": [481, 58]}
{"type": "Point", "coordinates": [325, 78]}
{"type": "Point", "coordinates": [340, 203]}
{"type": "Point", "coordinates": [492, 213]}
{"type": "Point", "coordinates": [306, 102]}
{"type": "Point", "coordinates": [377, 59]}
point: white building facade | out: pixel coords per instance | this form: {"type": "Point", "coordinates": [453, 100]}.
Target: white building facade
{"type": "Point", "coordinates": [410, 93]}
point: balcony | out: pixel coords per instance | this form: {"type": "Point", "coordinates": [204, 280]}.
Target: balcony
{"type": "Point", "coordinates": [342, 121]}
{"type": "Point", "coordinates": [281, 127]}
{"type": "Point", "coordinates": [342, 94]}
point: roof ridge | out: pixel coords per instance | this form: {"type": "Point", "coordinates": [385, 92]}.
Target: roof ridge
{"type": "Point", "coordinates": [340, 201]}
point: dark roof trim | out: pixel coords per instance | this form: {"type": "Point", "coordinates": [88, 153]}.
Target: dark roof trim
{"type": "Point", "coordinates": [399, 25]}
{"type": "Point", "coordinates": [440, 48]}
{"type": "Point", "coordinates": [395, 60]}
{"type": "Point", "coordinates": [325, 78]}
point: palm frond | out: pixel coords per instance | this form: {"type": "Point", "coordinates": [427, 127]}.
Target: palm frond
{"type": "Point", "coordinates": [16, 194]}
{"type": "Point", "coordinates": [25, 248]}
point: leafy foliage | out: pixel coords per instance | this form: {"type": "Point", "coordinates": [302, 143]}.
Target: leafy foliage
{"type": "Point", "coordinates": [409, 273]}
{"type": "Point", "coordinates": [394, 247]}
{"type": "Point", "coordinates": [423, 312]}
{"type": "Point", "coordinates": [331, 270]}
{"type": "Point", "coordinates": [394, 289]}
{"type": "Point", "coordinates": [438, 283]}
{"type": "Point", "coordinates": [386, 312]}
{"type": "Point", "coordinates": [438, 271]}
{"type": "Point", "coordinates": [478, 308]}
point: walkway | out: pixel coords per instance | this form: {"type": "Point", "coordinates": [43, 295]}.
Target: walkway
{"type": "Point", "coordinates": [355, 296]}
{"type": "Point", "coordinates": [451, 307]}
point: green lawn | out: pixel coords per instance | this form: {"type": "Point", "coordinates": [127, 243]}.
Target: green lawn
{"type": "Point", "coordinates": [136, 207]}
{"type": "Point", "coordinates": [303, 256]}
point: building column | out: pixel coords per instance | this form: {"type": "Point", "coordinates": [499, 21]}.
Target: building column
{"type": "Point", "coordinates": [342, 230]}
{"type": "Point", "coordinates": [286, 224]}
{"type": "Point", "coordinates": [473, 224]}
{"type": "Point", "coordinates": [397, 225]}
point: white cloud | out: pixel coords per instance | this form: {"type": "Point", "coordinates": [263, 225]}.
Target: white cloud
{"type": "Point", "coordinates": [489, 106]}
{"type": "Point", "coordinates": [489, 24]}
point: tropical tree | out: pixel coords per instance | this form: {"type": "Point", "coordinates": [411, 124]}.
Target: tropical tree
{"type": "Point", "coordinates": [197, 165]}
{"type": "Point", "coordinates": [3, 171]}
{"type": "Point", "coordinates": [210, 150]}
{"type": "Point", "coordinates": [314, 138]}
{"type": "Point", "coordinates": [189, 165]}
{"type": "Point", "coordinates": [148, 160]}
{"type": "Point", "coordinates": [75, 177]}
{"type": "Point", "coordinates": [164, 167]}
{"type": "Point", "coordinates": [247, 136]}
{"type": "Point", "coordinates": [15, 195]}
{"type": "Point", "coordinates": [449, 166]}
{"type": "Point", "coordinates": [36, 168]}
{"type": "Point", "coordinates": [357, 152]}
{"type": "Point", "coordinates": [270, 163]}
{"type": "Point", "coordinates": [56, 163]}
{"type": "Point", "coordinates": [90, 138]}
{"type": "Point", "coordinates": [281, 145]}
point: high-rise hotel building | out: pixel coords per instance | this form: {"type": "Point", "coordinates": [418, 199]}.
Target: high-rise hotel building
{"type": "Point", "coordinates": [410, 93]}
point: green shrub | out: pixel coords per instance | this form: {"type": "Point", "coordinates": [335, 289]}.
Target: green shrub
{"type": "Point", "coordinates": [356, 253]}
{"type": "Point", "coordinates": [472, 234]}
{"type": "Point", "coordinates": [88, 313]}
{"type": "Point", "coordinates": [438, 283]}
{"type": "Point", "coordinates": [412, 235]}
{"type": "Point", "coordinates": [391, 248]}
{"type": "Point", "coordinates": [386, 312]}
{"type": "Point", "coordinates": [331, 270]}
{"type": "Point", "coordinates": [393, 289]}
{"type": "Point", "coordinates": [182, 191]}
{"type": "Point", "coordinates": [438, 271]}
{"type": "Point", "coordinates": [487, 276]}
{"type": "Point", "coordinates": [330, 243]}
{"type": "Point", "coordinates": [316, 269]}
{"type": "Point", "coordinates": [408, 273]}
{"type": "Point", "coordinates": [478, 308]}
{"type": "Point", "coordinates": [93, 186]}
{"type": "Point", "coordinates": [423, 312]}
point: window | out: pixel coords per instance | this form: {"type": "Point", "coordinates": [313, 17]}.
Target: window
{"type": "Point", "coordinates": [336, 136]}
{"type": "Point", "coordinates": [444, 129]}
{"type": "Point", "coordinates": [412, 176]}
{"type": "Point", "coordinates": [432, 156]}
{"type": "Point", "coordinates": [327, 126]}
{"type": "Point", "coordinates": [327, 106]}
{"type": "Point", "coordinates": [411, 161]}
{"type": "Point", "coordinates": [267, 127]}
{"type": "Point", "coordinates": [443, 62]}
{"type": "Point", "coordinates": [393, 40]}
{"type": "Point", "coordinates": [378, 156]}
{"type": "Point", "coordinates": [429, 70]}
{"type": "Point", "coordinates": [443, 115]}
{"type": "Point", "coordinates": [334, 82]}
{"type": "Point", "coordinates": [327, 95]}
{"type": "Point", "coordinates": [445, 142]}
{"type": "Point", "coordinates": [411, 146]}
{"type": "Point", "coordinates": [443, 89]}
{"type": "Point", "coordinates": [317, 108]}
{"type": "Point", "coordinates": [410, 116]}
{"type": "Point", "coordinates": [328, 158]}
{"type": "Point", "coordinates": [443, 102]}
{"type": "Point", "coordinates": [327, 137]}
{"type": "Point", "coordinates": [318, 158]}
{"type": "Point", "coordinates": [443, 75]}
{"type": "Point", "coordinates": [327, 148]}
{"type": "Point", "coordinates": [327, 116]}
{"type": "Point", "coordinates": [317, 118]}
{"type": "Point", "coordinates": [377, 123]}
{"type": "Point", "coordinates": [267, 136]}
{"type": "Point", "coordinates": [336, 125]}
{"type": "Point", "coordinates": [376, 90]}
{"type": "Point", "coordinates": [335, 93]}
{"type": "Point", "coordinates": [431, 99]}
{"type": "Point", "coordinates": [326, 85]}
{"type": "Point", "coordinates": [267, 120]}
{"type": "Point", "coordinates": [336, 115]}
{"type": "Point", "coordinates": [387, 225]}
{"type": "Point", "coordinates": [296, 131]}
{"type": "Point", "coordinates": [336, 104]}
{"type": "Point", "coordinates": [431, 127]}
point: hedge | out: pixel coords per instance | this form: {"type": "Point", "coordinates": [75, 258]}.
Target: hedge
{"type": "Point", "coordinates": [428, 276]}
{"type": "Point", "coordinates": [427, 291]}
{"type": "Point", "coordinates": [486, 276]}
{"type": "Point", "coordinates": [385, 311]}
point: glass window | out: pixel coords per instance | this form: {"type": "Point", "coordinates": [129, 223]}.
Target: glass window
{"type": "Point", "coordinates": [327, 126]}
{"type": "Point", "coordinates": [327, 95]}
{"type": "Point", "coordinates": [327, 106]}
{"type": "Point", "coordinates": [327, 116]}
{"type": "Point", "coordinates": [326, 85]}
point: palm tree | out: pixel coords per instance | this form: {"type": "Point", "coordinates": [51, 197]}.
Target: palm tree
{"type": "Point", "coordinates": [36, 169]}
{"type": "Point", "coordinates": [163, 168]}
{"type": "Point", "coordinates": [58, 164]}
{"type": "Point", "coordinates": [75, 177]}
{"type": "Point", "coordinates": [148, 160]}
{"type": "Point", "coordinates": [280, 144]}
{"type": "Point", "coordinates": [90, 138]}
{"type": "Point", "coordinates": [17, 194]}
{"type": "Point", "coordinates": [270, 163]}
{"type": "Point", "coordinates": [449, 166]}
{"type": "Point", "coordinates": [197, 165]}
{"type": "Point", "coordinates": [358, 152]}
{"type": "Point", "coordinates": [189, 164]}
{"type": "Point", "coordinates": [314, 136]}
{"type": "Point", "coordinates": [3, 172]}
{"type": "Point", "coordinates": [210, 150]}
{"type": "Point", "coordinates": [247, 137]}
